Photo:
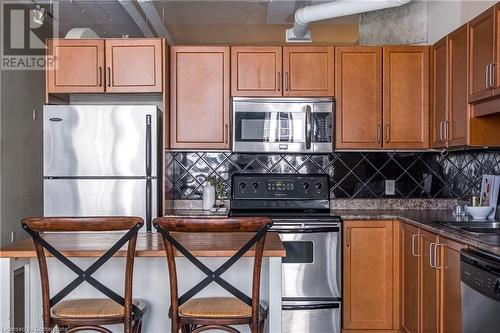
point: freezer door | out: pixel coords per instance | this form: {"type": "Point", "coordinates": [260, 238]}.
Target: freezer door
{"type": "Point", "coordinates": [94, 140]}
{"type": "Point", "coordinates": [94, 197]}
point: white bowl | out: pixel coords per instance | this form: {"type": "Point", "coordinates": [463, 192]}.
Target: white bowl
{"type": "Point", "coordinates": [479, 213]}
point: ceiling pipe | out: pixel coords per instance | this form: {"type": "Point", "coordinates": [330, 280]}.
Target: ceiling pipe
{"type": "Point", "coordinates": [154, 18]}
{"type": "Point", "coordinates": [132, 11]}
{"type": "Point", "coordinates": [300, 31]}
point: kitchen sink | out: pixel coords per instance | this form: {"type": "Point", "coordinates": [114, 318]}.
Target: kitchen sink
{"type": "Point", "coordinates": [477, 227]}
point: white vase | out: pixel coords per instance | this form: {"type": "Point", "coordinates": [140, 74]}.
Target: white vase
{"type": "Point", "coordinates": [208, 196]}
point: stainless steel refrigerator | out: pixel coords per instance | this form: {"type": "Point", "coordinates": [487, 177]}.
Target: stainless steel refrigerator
{"type": "Point", "coordinates": [101, 160]}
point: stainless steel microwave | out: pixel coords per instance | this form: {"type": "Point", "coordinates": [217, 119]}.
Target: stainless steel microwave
{"type": "Point", "coordinates": [294, 125]}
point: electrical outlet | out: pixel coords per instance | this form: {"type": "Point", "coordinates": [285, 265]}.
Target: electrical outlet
{"type": "Point", "coordinates": [12, 237]}
{"type": "Point", "coordinates": [390, 187]}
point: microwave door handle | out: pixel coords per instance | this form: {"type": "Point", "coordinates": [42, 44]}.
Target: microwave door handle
{"type": "Point", "coordinates": [308, 127]}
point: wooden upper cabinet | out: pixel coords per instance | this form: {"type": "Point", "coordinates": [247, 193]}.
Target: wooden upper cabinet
{"type": "Point", "coordinates": [75, 65]}
{"type": "Point", "coordinates": [458, 107]}
{"type": "Point", "coordinates": [481, 55]}
{"type": "Point", "coordinates": [439, 83]}
{"type": "Point", "coordinates": [450, 302]}
{"type": "Point", "coordinates": [358, 96]}
{"type": "Point", "coordinates": [406, 97]}
{"type": "Point", "coordinates": [199, 97]}
{"type": "Point", "coordinates": [134, 65]}
{"type": "Point", "coordinates": [369, 284]}
{"type": "Point", "coordinates": [430, 283]}
{"type": "Point", "coordinates": [256, 71]}
{"type": "Point", "coordinates": [308, 71]}
{"type": "Point", "coordinates": [410, 278]}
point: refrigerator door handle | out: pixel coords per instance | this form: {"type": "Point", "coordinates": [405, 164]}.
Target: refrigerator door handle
{"type": "Point", "coordinates": [148, 174]}
{"type": "Point", "coordinates": [148, 145]}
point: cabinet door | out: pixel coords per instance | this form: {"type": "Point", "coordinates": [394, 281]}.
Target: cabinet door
{"type": "Point", "coordinates": [481, 54]}
{"type": "Point", "coordinates": [75, 66]}
{"type": "Point", "coordinates": [308, 71]}
{"type": "Point", "coordinates": [458, 117]}
{"type": "Point", "coordinates": [406, 97]}
{"type": "Point", "coordinates": [358, 97]}
{"type": "Point", "coordinates": [368, 275]}
{"type": "Point", "coordinates": [256, 71]}
{"type": "Point", "coordinates": [199, 97]}
{"type": "Point", "coordinates": [133, 65]}
{"type": "Point", "coordinates": [410, 258]}
{"type": "Point", "coordinates": [440, 93]}
{"type": "Point", "coordinates": [450, 303]}
{"type": "Point", "coordinates": [430, 283]}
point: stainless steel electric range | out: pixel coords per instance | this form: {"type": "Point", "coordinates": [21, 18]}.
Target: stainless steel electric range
{"type": "Point", "coordinates": [299, 206]}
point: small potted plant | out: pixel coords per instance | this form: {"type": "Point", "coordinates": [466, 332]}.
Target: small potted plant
{"type": "Point", "coordinates": [218, 185]}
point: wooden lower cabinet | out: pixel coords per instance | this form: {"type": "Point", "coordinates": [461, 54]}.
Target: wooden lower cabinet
{"type": "Point", "coordinates": [430, 282]}
{"type": "Point", "coordinates": [371, 275]}
{"type": "Point", "coordinates": [410, 260]}
{"type": "Point", "coordinates": [450, 296]}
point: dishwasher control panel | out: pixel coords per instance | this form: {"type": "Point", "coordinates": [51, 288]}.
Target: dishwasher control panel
{"type": "Point", "coordinates": [481, 274]}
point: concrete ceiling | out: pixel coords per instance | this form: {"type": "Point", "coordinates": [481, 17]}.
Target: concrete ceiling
{"type": "Point", "coordinates": [206, 22]}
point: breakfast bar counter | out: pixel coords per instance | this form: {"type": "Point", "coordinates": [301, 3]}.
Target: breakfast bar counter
{"type": "Point", "coordinates": [19, 271]}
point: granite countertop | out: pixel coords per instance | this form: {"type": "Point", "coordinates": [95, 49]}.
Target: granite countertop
{"type": "Point", "coordinates": [424, 220]}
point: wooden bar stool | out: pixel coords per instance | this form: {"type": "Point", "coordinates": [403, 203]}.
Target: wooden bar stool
{"type": "Point", "coordinates": [193, 315]}
{"type": "Point", "coordinates": [74, 315]}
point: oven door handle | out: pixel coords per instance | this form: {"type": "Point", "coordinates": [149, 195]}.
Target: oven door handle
{"type": "Point", "coordinates": [301, 230]}
{"type": "Point", "coordinates": [321, 306]}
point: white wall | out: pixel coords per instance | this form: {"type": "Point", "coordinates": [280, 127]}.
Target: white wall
{"type": "Point", "coordinates": [446, 16]}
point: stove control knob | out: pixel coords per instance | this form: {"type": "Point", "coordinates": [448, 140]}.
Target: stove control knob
{"type": "Point", "coordinates": [255, 186]}
{"type": "Point", "coordinates": [318, 186]}
{"type": "Point", "coordinates": [243, 185]}
{"type": "Point", "coordinates": [497, 286]}
{"type": "Point", "coordinates": [305, 185]}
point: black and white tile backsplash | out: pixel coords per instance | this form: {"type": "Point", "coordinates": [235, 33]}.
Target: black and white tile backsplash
{"type": "Point", "coordinates": [352, 174]}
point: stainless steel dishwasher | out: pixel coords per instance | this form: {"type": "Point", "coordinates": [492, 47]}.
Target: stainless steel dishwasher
{"type": "Point", "coordinates": [480, 284]}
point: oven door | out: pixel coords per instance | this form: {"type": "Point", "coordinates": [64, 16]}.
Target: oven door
{"type": "Point", "coordinates": [312, 266]}
{"type": "Point", "coordinates": [311, 316]}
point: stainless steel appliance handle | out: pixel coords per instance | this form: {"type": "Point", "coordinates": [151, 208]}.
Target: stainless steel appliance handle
{"type": "Point", "coordinates": [304, 229]}
{"type": "Point", "coordinates": [308, 127]}
{"type": "Point", "coordinates": [149, 194]}
{"type": "Point", "coordinates": [413, 252]}
{"type": "Point", "coordinates": [321, 306]}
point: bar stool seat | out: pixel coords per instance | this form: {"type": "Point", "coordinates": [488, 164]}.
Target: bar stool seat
{"type": "Point", "coordinates": [215, 307]}
{"type": "Point", "coordinates": [92, 308]}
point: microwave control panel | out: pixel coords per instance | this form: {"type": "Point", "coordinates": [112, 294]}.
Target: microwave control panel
{"type": "Point", "coordinates": [296, 187]}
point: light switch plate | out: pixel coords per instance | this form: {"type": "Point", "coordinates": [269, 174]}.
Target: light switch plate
{"type": "Point", "coordinates": [390, 187]}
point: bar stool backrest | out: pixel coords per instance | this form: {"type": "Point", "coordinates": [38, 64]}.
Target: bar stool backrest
{"type": "Point", "coordinates": [35, 226]}
{"type": "Point", "coordinates": [256, 225]}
